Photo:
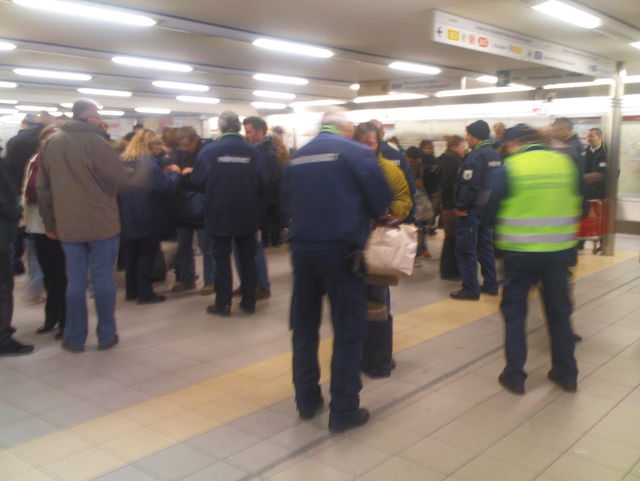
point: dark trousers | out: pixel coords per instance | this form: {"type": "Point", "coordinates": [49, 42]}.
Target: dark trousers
{"type": "Point", "coordinates": [448, 262]}
{"type": "Point", "coordinates": [6, 296]}
{"type": "Point", "coordinates": [18, 251]}
{"type": "Point", "coordinates": [246, 248]}
{"type": "Point", "coordinates": [377, 351]}
{"type": "Point", "coordinates": [51, 260]}
{"type": "Point", "coordinates": [474, 243]}
{"type": "Point", "coordinates": [139, 261]}
{"type": "Point", "coordinates": [522, 270]}
{"type": "Point", "coordinates": [271, 226]}
{"type": "Point", "coordinates": [316, 273]}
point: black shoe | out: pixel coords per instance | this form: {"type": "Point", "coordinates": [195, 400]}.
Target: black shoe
{"type": "Point", "coordinates": [67, 347]}
{"type": "Point", "coordinates": [18, 269]}
{"type": "Point", "coordinates": [131, 298]}
{"type": "Point", "coordinates": [44, 329]}
{"type": "Point", "coordinates": [109, 345]}
{"type": "Point", "coordinates": [248, 308]}
{"type": "Point", "coordinates": [451, 278]}
{"type": "Point", "coordinates": [511, 387]}
{"type": "Point", "coordinates": [491, 292]}
{"type": "Point", "coordinates": [567, 386]}
{"type": "Point", "coordinates": [360, 418]}
{"type": "Point", "coordinates": [224, 311]}
{"type": "Point", "coordinates": [308, 413]}
{"type": "Point", "coordinates": [58, 336]}
{"type": "Point", "coordinates": [463, 295]}
{"type": "Point", "coordinates": [15, 348]}
{"type": "Point", "coordinates": [152, 300]}
{"type": "Point", "coordinates": [577, 337]}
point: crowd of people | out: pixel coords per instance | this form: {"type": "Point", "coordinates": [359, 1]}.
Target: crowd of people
{"type": "Point", "coordinates": [82, 198]}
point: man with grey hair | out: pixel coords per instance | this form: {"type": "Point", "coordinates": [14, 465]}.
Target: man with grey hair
{"type": "Point", "coordinates": [229, 171]}
{"type": "Point", "coordinates": [77, 194]}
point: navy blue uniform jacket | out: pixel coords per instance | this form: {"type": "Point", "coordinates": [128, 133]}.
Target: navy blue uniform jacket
{"type": "Point", "coordinates": [575, 150]}
{"type": "Point", "coordinates": [230, 172]}
{"type": "Point", "coordinates": [143, 199]}
{"type": "Point", "coordinates": [331, 189]}
{"type": "Point", "coordinates": [473, 178]}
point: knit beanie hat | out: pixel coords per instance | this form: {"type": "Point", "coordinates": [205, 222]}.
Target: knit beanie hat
{"type": "Point", "coordinates": [479, 129]}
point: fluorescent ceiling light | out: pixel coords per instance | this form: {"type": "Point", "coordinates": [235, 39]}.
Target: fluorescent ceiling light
{"type": "Point", "coordinates": [388, 98]}
{"type": "Point", "coordinates": [152, 110]}
{"type": "Point", "coordinates": [281, 79]}
{"type": "Point", "coordinates": [317, 103]}
{"type": "Point", "coordinates": [635, 44]}
{"type": "Point", "coordinates": [35, 108]}
{"type": "Point", "coordinates": [8, 111]}
{"type": "Point", "coordinates": [632, 79]}
{"type": "Point", "coordinates": [274, 95]}
{"type": "Point", "coordinates": [51, 74]}
{"type": "Point", "coordinates": [355, 87]}
{"type": "Point", "coordinates": [152, 64]}
{"type": "Point", "coordinates": [8, 85]}
{"type": "Point", "coordinates": [67, 105]}
{"type": "Point", "coordinates": [7, 45]}
{"type": "Point", "coordinates": [164, 84]}
{"type": "Point", "coordinates": [111, 113]}
{"type": "Point", "coordinates": [106, 93]}
{"type": "Point", "coordinates": [570, 85]}
{"type": "Point", "coordinates": [198, 100]}
{"type": "Point", "coordinates": [568, 13]}
{"type": "Point", "coordinates": [483, 91]}
{"type": "Point", "coordinates": [415, 67]}
{"type": "Point", "coordinates": [89, 11]}
{"type": "Point", "coordinates": [12, 102]}
{"type": "Point", "coordinates": [268, 105]}
{"type": "Point", "coordinates": [488, 79]}
{"type": "Point", "coordinates": [293, 47]}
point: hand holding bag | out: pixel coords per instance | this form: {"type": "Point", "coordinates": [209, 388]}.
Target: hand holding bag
{"type": "Point", "coordinates": [391, 251]}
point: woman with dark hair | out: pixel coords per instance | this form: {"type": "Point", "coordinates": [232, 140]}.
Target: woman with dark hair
{"type": "Point", "coordinates": [377, 360]}
{"type": "Point", "coordinates": [143, 212]}
{"type": "Point", "coordinates": [446, 175]}
{"type": "Point", "coordinates": [48, 251]}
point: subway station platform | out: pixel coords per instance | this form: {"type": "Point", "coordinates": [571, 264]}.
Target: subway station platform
{"type": "Point", "coordinates": [187, 396]}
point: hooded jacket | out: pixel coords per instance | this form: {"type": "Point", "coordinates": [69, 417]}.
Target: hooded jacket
{"type": "Point", "coordinates": [78, 184]}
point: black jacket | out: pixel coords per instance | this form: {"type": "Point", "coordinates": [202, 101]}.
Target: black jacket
{"type": "Point", "coordinates": [596, 162]}
{"type": "Point", "coordinates": [9, 210]}
{"type": "Point", "coordinates": [429, 178]}
{"type": "Point", "coordinates": [446, 176]}
{"type": "Point", "coordinates": [271, 168]}
{"type": "Point", "coordinates": [20, 148]}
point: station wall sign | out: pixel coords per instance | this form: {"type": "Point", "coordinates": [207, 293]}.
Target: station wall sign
{"type": "Point", "coordinates": [466, 33]}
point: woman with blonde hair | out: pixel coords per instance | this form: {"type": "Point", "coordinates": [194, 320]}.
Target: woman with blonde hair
{"type": "Point", "coordinates": [142, 201]}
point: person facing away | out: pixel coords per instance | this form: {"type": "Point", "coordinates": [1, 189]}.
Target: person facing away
{"type": "Point", "coordinates": [563, 132]}
{"type": "Point", "coordinates": [229, 172]}
{"type": "Point", "coordinates": [332, 188]}
{"type": "Point", "coordinates": [77, 187]}
{"type": "Point", "coordinates": [536, 204]}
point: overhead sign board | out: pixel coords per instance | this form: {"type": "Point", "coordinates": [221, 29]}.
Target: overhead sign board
{"type": "Point", "coordinates": [466, 33]}
{"type": "Point", "coordinates": [411, 85]}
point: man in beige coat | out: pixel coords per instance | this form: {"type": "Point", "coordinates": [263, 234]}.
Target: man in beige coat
{"type": "Point", "coordinates": [77, 194]}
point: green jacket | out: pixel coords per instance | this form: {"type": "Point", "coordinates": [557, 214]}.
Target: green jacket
{"type": "Point", "coordinates": [9, 210]}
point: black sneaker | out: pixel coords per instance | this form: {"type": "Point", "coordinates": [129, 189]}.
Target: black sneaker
{"type": "Point", "coordinates": [567, 386]}
{"type": "Point", "coordinates": [463, 295]}
{"type": "Point", "coordinates": [224, 311]}
{"type": "Point", "coordinates": [109, 345]}
{"type": "Point", "coordinates": [511, 387]}
{"type": "Point", "coordinates": [248, 308]}
{"type": "Point", "coordinates": [15, 348]}
{"type": "Point", "coordinates": [491, 292]}
{"type": "Point", "coordinates": [360, 418]}
{"type": "Point", "coordinates": [155, 299]}
{"type": "Point", "coordinates": [577, 338]}
{"type": "Point", "coordinates": [308, 413]}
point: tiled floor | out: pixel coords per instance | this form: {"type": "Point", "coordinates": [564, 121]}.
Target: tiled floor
{"type": "Point", "coordinates": [186, 396]}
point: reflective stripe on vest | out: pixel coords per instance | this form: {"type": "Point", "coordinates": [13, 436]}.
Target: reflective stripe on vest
{"type": "Point", "coordinates": [539, 221]}
{"type": "Point", "coordinates": [536, 238]}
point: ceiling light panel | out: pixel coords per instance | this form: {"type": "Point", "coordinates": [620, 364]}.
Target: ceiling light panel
{"type": "Point", "coordinates": [268, 105]}
{"type": "Point", "coordinates": [10, 102]}
{"type": "Point", "coordinates": [52, 74]}
{"type": "Point", "coordinates": [293, 48]}
{"type": "Point", "coordinates": [488, 79]}
{"type": "Point", "coordinates": [8, 85]}
{"type": "Point", "coordinates": [6, 45]}
{"type": "Point", "coordinates": [483, 91]}
{"type": "Point", "coordinates": [317, 103]}
{"type": "Point", "coordinates": [8, 111]}
{"type": "Point", "coordinates": [152, 110]}
{"type": "Point", "coordinates": [388, 98]}
{"type": "Point", "coordinates": [280, 79]}
{"type": "Point", "coordinates": [198, 100]}
{"type": "Point", "coordinates": [571, 85]}
{"type": "Point", "coordinates": [355, 87]}
{"type": "Point", "coordinates": [35, 108]}
{"type": "Point", "coordinates": [164, 84]}
{"type": "Point", "coordinates": [635, 44]}
{"type": "Point", "coordinates": [86, 10]}
{"type": "Point", "coordinates": [274, 95]}
{"type": "Point", "coordinates": [105, 92]}
{"type": "Point", "coordinates": [568, 13]}
{"type": "Point", "coordinates": [152, 64]}
{"type": "Point", "coordinates": [111, 113]}
{"type": "Point", "coordinates": [415, 67]}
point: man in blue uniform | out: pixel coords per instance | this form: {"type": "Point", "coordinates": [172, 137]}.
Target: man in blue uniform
{"type": "Point", "coordinates": [228, 171]}
{"type": "Point", "coordinates": [331, 190]}
{"type": "Point", "coordinates": [562, 131]}
{"type": "Point", "coordinates": [474, 242]}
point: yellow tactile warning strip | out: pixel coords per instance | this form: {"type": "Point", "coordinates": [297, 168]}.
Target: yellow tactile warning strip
{"type": "Point", "coordinates": [105, 444]}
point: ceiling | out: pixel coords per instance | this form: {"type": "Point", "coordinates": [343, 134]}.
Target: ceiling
{"type": "Point", "coordinates": [365, 34]}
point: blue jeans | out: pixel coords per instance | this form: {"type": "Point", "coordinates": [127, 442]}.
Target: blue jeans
{"type": "Point", "coordinates": [261, 266]}
{"type": "Point", "coordinates": [185, 262]}
{"type": "Point", "coordinates": [523, 270]}
{"type": "Point", "coordinates": [474, 243]}
{"type": "Point", "coordinates": [98, 258]}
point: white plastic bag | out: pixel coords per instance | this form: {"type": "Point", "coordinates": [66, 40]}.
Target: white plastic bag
{"type": "Point", "coordinates": [391, 251]}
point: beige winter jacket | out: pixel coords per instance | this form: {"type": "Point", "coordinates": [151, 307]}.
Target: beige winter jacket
{"type": "Point", "coordinates": [78, 184]}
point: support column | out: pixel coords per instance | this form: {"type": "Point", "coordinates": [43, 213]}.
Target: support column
{"type": "Point", "coordinates": [613, 138]}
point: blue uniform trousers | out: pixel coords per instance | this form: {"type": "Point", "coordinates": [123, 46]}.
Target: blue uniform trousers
{"type": "Point", "coordinates": [522, 270]}
{"type": "Point", "coordinates": [316, 273]}
{"type": "Point", "coordinates": [474, 243]}
{"type": "Point", "coordinates": [246, 248]}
